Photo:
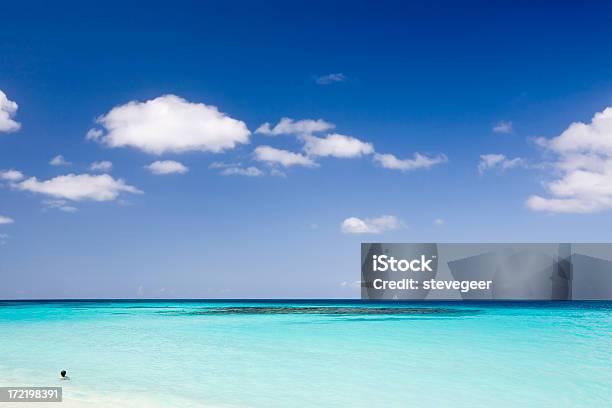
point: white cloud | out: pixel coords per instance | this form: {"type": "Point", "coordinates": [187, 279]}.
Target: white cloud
{"type": "Point", "coordinates": [330, 78]}
{"type": "Point", "coordinates": [59, 160]}
{"type": "Point", "coordinates": [94, 134]}
{"type": "Point", "coordinates": [336, 145]}
{"type": "Point", "coordinates": [503, 127]}
{"type": "Point", "coordinates": [103, 166]}
{"type": "Point", "coordinates": [61, 205]}
{"type": "Point", "coordinates": [8, 109]}
{"type": "Point", "coordinates": [6, 220]}
{"type": "Point", "coordinates": [490, 161]}
{"type": "Point", "coordinates": [242, 171]}
{"type": "Point", "coordinates": [11, 175]}
{"type": "Point", "coordinates": [419, 161]}
{"type": "Point", "coordinates": [354, 225]}
{"type": "Point", "coordinates": [169, 124]}
{"type": "Point", "coordinates": [277, 173]}
{"type": "Point", "coordinates": [439, 221]}
{"type": "Point", "coordinates": [582, 173]}
{"type": "Point", "coordinates": [78, 187]}
{"type": "Point", "coordinates": [167, 167]}
{"type": "Point", "coordinates": [285, 158]}
{"type": "Point", "coordinates": [236, 170]}
{"type": "Point", "coordinates": [288, 126]}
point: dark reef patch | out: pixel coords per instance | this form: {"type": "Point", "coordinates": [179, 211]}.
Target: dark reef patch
{"type": "Point", "coordinates": [325, 310]}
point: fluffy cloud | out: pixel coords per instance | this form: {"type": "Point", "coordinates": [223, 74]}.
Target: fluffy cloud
{"type": "Point", "coordinates": [59, 160]}
{"type": "Point", "coordinates": [419, 161]}
{"type": "Point", "coordinates": [78, 187]}
{"type": "Point", "coordinates": [354, 225]}
{"type": "Point", "coordinates": [167, 167]}
{"type": "Point", "coordinates": [169, 124]}
{"type": "Point", "coordinates": [503, 127]}
{"type": "Point", "coordinates": [102, 166]}
{"type": "Point", "coordinates": [336, 145]}
{"type": "Point", "coordinates": [582, 173]}
{"type": "Point", "coordinates": [490, 161]}
{"type": "Point", "coordinates": [6, 220]}
{"type": "Point", "coordinates": [288, 126]}
{"type": "Point", "coordinates": [285, 158]}
{"type": "Point", "coordinates": [8, 109]}
{"type": "Point", "coordinates": [330, 78]}
{"type": "Point", "coordinates": [331, 145]}
{"type": "Point", "coordinates": [438, 221]}
{"type": "Point", "coordinates": [11, 175]}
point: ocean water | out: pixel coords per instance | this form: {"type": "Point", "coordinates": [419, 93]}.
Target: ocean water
{"type": "Point", "coordinates": [305, 354]}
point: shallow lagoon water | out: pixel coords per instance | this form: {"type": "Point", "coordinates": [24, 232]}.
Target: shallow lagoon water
{"type": "Point", "coordinates": [303, 354]}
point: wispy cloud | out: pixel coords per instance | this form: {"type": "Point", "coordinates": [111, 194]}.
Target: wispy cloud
{"type": "Point", "coordinates": [288, 126]}
{"type": "Point", "coordinates": [330, 78]}
{"type": "Point", "coordinates": [491, 161]}
{"type": "Point", "coordinates": [78, 187]}
{"type": "Point", "coordinates": [59, 160]}
{"type": "Point", "coordinates": [6, 220]}
{"type": "Point", "coordinates": [419, 161]}
{"type": "Point", "coordinates": [236, 170]}
{"type": "Point", "coordinates": [285, 158]}
{"type": "Point", "coordinates": [503, 127]}
{"type": "Point", "coordinates": [354, 225]}
{"type": "Point", "coordinates": [61, 205]}
{"type": "Point", "coordinates": [103, 166]}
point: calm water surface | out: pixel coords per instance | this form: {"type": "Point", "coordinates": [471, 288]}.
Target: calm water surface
{"type": "Point", "coordinates": [304, 354]}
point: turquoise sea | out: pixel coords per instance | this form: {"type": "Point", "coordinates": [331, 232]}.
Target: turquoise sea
{"type": "Point", "coordinates": [315, 353]}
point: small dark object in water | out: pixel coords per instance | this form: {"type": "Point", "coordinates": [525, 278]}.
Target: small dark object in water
{"type": "Point", "coordinates": [63, 373]}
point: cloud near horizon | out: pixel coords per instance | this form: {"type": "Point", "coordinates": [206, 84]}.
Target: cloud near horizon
{"type": "Point", "coordinates": [582, 173]}
{"type": "Point", "coordinates": [354, 225]}
{"type": "Point", "coordinates": [169, 124]}
{"type": "Point", "coordinates": [8, 109]}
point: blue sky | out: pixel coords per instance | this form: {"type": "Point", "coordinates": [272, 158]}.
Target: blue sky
{"type": "Point", "coordinates": [249, 214]}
